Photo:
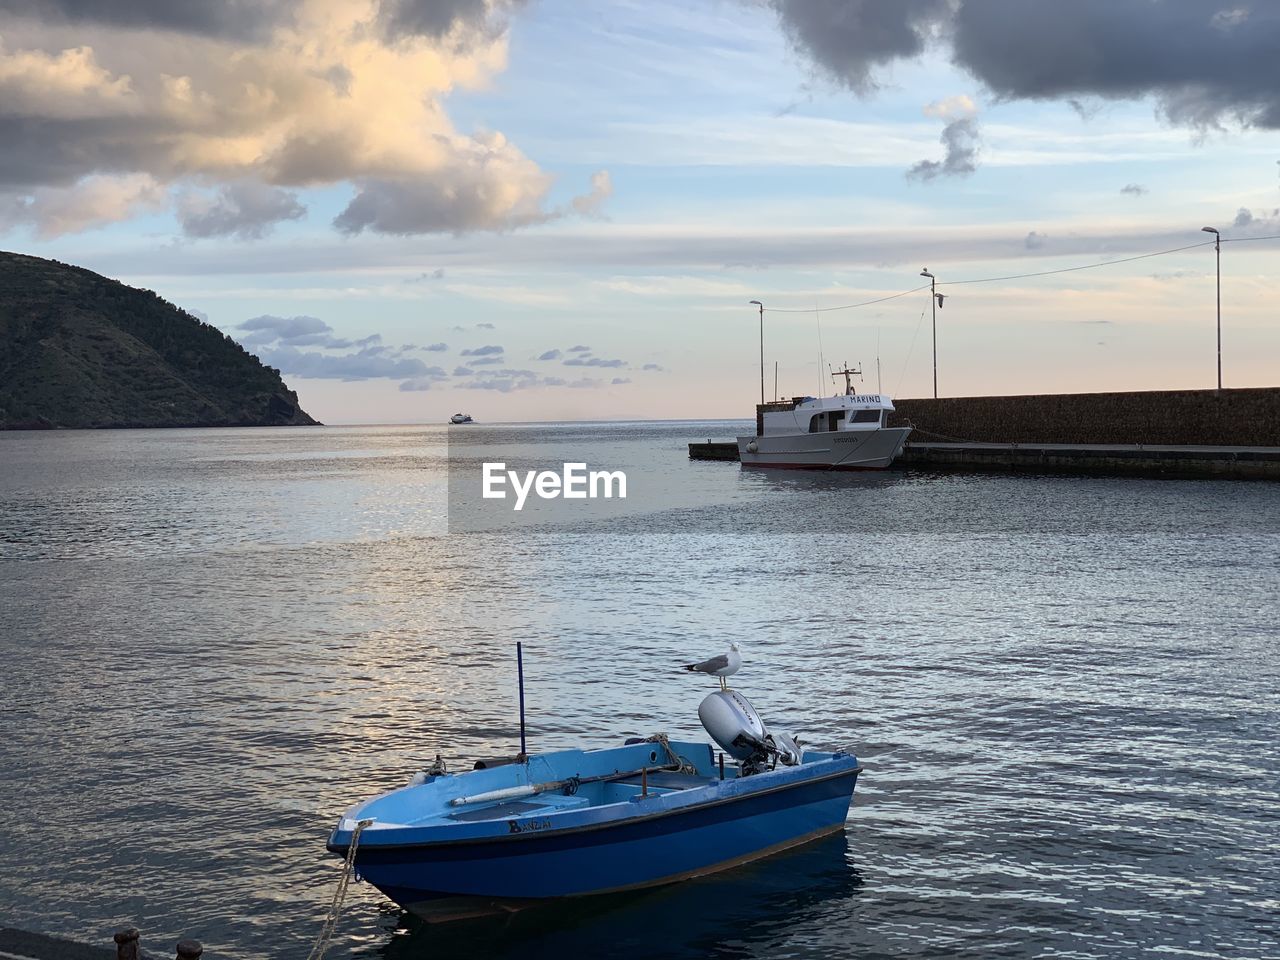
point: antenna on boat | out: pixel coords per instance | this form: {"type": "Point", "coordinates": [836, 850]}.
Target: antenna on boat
{"type": "Point", "coordinates": [520, 681]}
{"type": "Point", "coordinates": [822, 360]}
{"type": "Point", "coordinates": [879, 388]}
{"type": "Point", "coordinates": [775, 381]}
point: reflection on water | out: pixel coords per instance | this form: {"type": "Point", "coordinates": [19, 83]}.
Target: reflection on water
{"type": "Point", "coordinates": [1065, 692]}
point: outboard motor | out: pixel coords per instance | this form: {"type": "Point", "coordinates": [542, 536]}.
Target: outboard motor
{"type": "Point", "coordinates": [734, 724]}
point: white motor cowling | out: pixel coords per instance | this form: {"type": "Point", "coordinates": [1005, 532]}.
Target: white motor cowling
{"type": "Point", "coordinates": [733, 723]}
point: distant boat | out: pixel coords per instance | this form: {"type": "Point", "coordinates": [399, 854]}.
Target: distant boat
{"type": "Point", "coordinates": [577, 822]}
{"type": "Point", "coordinates": [461, 418]}
{"type": "Point", "coordinates": [848, 432]}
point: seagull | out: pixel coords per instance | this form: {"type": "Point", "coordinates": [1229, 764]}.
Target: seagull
{"type": "Point", "coordinates": [725, 665]}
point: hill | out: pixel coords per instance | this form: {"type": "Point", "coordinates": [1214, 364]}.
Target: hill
{"type": "Point", "coordinates": [80, 350]}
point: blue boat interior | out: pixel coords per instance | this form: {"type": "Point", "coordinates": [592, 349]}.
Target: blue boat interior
{"type": "Point", "coordinates": [551, 783]}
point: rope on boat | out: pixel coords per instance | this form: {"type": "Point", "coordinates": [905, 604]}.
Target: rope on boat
{"type": "Point", "coordinates": [676, 760]}
{"type": "Point", "coordinates": [339, 895]}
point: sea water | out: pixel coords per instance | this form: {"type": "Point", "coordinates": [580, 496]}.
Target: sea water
{"type": "Point", "coordinates": [1065, 692]}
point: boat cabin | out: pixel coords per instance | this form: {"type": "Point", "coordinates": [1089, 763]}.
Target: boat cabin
{"type": "Point", "coordinates": [863, 411]}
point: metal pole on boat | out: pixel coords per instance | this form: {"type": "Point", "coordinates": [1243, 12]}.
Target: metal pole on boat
{"type": "Point", "coordinates": [761, 306]}
{"type": "Point", "coordinates": [520, 679]}
{"type": "Point", "coordinates": [1217, 252]}
{"type": "Point", "coordinates": [933, 299]}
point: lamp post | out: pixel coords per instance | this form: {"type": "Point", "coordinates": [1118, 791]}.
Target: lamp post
{"type": "Point", "coordinates": [933, 299]}
{"type": "Point", "coordinates": [1217, 255]}
{"type": "Point", "coordinates": [761, 306]}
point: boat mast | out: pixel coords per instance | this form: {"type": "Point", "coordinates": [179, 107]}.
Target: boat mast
{"type": "Point", "coordinates": [761, 306]}
{"type": "Point", "coordinates": [847, 373]}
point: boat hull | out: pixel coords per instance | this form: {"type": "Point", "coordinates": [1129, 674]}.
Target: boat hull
{"type": "Point", "coordinates": [837, 450]}
{"type": "Point", "coordinates": [656, 839]}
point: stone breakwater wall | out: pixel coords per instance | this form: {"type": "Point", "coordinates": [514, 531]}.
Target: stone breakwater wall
{"type": "Point", "coordinates": [1247, 417]}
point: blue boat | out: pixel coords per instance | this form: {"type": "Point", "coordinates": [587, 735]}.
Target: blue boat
{"type": "Point", "coordinates": [577, 822]}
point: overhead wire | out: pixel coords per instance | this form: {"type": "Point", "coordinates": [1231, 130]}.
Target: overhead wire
{"type": "Point", "coordinates": [1018, 276]}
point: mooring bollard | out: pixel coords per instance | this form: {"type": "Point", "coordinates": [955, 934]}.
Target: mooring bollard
{"type": "Point", "coordinates": [189, 950]}
{"type": "Point", "coordinates": [126, 943]}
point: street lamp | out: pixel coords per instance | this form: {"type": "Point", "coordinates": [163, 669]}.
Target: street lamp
{"type": "Point", "coordinates": [761, 306]}
{"type": "Point", "coordinates": [933, 299]}
{"type": "Point", "coordinates": [1217, 254]}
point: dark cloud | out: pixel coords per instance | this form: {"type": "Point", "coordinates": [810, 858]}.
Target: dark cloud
{"type": "Point", "coordinates": [462, 371]}
{"type": "Point", "coordinates": [579, 349]}
{"type": "Point", "coordinates": [1243, 218]}
{"type": "Point", "coordinates": [849, 39]}
{"type": "Point", "coordinates": [486, 361]}
{"type": "Point", "coordinates": [960, 137]}
{"type": "Point", "coordinates": [1034, 240]}
{"type": "Point", "coordinates": [442, 19]}
{"type": "Point", "coordinates": [619, 381]}
{"type": "Point", "coordinates": [436, 347]}
{"type": "Point", "coordinates": [653, 366]}
{"type": "Point", "coordinates": [593, 362]}
{"type": "Point", "coordinates": [238, 19]}
{"type": "Point", "coordinates": [245, 209]}
{"type": "Point", "coordinates": [1204, 63]}
{"type": "Point", "coordinates": [550, 355]}
{"type": "Point", "coordinates": [486, 351]}
{"type": "Point", "coordinates": [1133, 189]}
{"type": "Point", "coordinates": [485, 326]}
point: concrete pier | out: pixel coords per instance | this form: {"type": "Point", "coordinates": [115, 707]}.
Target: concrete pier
{"type": "Point", "coordinates": [1099, 459]}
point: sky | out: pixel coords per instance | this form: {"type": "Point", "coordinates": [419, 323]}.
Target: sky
{"type": "Point", "coordinates": [548, 209]}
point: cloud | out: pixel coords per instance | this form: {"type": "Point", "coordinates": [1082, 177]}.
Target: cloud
{"type": "Point", "coordinates": [95, 201]}
{"type": "Point", "coordinates": [959, 107]}
{"type": "Point", "coordinates": [1034, 240]}
{"type": "Point", "coordinates": [593, 362]}
{"type": "Point", "coordinates": [444, 19]}
{"type": "Point", "coordinates": [360, 365]}
{"type": "Point", "coordinates": [284, 94]}
{"type": "Point", "coordinates": [653, 366]}
{"type": "Point", "coordinates": [505, 381]}
{"type": "Point", "coordinates": [242, 19]}
{"type": "Point", "coordinates": [462, 371]}
{"type": "Point", "coordinates": [579, 349]}
{"type": "Point", "coordinates": [848, 40]}
{"type": "Point", "coordinates": [550, 355]}
{"type": "Point", "coordinates": [588, 205]}
{"type": "Point", "coordinates": [486, 351]}
{"type": "Point", "coordinates": [436, 347]}
{"type": "Point", "coordinates": [486, 361]}
{"type": "Point", "coordinates": [488, 185]}
{"type": "Point", "coordinates": [425, 381]}
{"type": "Point", "coordinates": [1243, 218]}
{"type": "Point", "coordinates": [1203, 66]}
{"type": "Point", "coordinates": [485, 326]}
{"type": "Point", "coordinates": [244, 209]}
{"type": "Point", "coordinates": [960, 137]}
{"type": "Point", "coordinates": [1133, 189]}
{"type": "Point", "coordinates": [295, 331]}
{"type": "Point", "coordinates": [618, 381]}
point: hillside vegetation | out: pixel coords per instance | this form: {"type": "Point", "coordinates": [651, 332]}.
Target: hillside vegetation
{"type": "Point", "coordinates": [80, 350]}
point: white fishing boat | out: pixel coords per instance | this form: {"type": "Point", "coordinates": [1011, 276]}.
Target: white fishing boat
{"type": "Point", "coordinates": [844, 432]}
{"type": "Point", "coordinates": [461, 418]}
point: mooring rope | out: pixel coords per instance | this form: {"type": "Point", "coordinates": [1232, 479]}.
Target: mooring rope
{"type": "Point", "coordinates": [684, 765]}
{"type": "Point", "coordinates": [339, 895]}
